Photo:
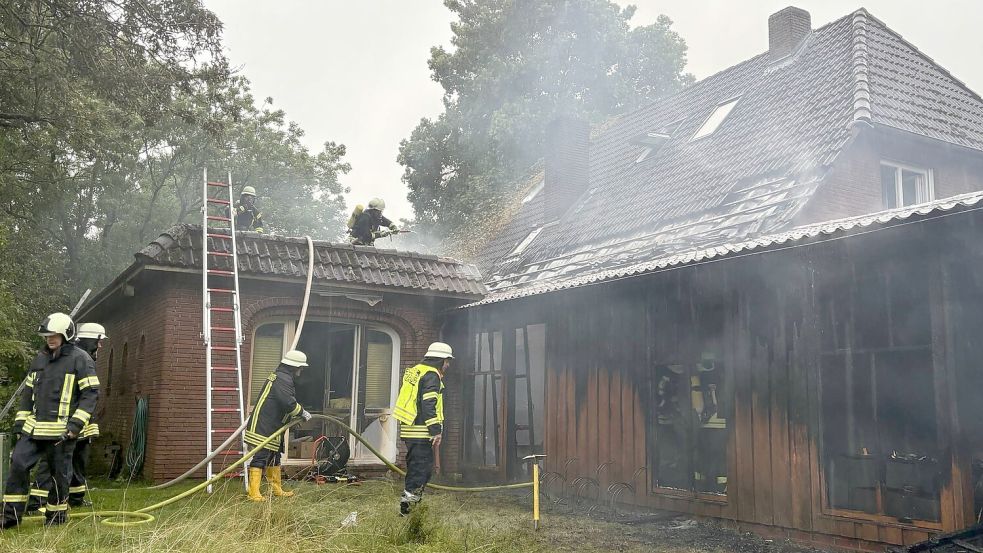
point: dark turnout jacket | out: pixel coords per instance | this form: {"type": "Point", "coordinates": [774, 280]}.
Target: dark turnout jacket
{"type": "Point", "coordinates": [61, 395]}
{"type": "Point", "coordinates": [277, 404]}
{"type": "Point", "coordinates": [367, 225]}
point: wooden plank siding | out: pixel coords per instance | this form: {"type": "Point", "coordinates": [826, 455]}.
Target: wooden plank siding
{"type": "Point", "coordinates": [605, 341]}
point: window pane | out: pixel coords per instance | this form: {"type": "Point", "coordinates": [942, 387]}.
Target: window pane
{"type": "Point", "coordinates": [267, 351]}
{"type": "Point", "coordinates": [710, 457]}
{"type": "Point", "coordinates": [889, 186]}
{"type": "Point", "coordinates": [715, 119]}
{"type": "Point", "coordinates": [913, 187]}
{"type": "Point", "coordinates": [672, 417]}
{"type": "Point", "coordinates": [378, 370]}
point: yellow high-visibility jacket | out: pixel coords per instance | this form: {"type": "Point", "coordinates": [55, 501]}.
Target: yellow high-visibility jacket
{"type": "Point", "coordinates": [420, 406]}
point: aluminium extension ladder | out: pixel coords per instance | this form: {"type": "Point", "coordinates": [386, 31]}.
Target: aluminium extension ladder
{"type": "Point", "coordinates": [221, 319]}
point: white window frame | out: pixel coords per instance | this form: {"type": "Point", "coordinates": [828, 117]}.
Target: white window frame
{"type": "Point", "coordinates": [705, 130]}
{"type": "Point", "coordinates": [920, 196]}
{"type": "Point", "coordinates": [524, 243]}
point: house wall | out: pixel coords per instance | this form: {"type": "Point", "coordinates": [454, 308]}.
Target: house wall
{"type": "Point", "coordinates": [167, 308]}
{"type": "Point", "coordinates": [853, 187]}
{"type": "Point", "coordinates": [604, 342]}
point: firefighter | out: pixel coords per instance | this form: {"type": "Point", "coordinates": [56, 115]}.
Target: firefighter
{"type": "Point", "coordinates": [365, 226]}
{"type": "Point", "coordinates": [277, 404]}
{"type": "Point", "coordinates": [89, 339]}
{"type": "Point", "coordinates": [248, 216]}
{"type": "Point", "coordinates": [420, 409]}
{"type": "Point", "coordinates": [63, 393]}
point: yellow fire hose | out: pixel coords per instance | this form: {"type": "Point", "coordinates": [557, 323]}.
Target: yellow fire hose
{"type": "Point", "coordinates": [143, 516]}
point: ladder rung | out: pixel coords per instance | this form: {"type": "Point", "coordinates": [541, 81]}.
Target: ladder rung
{"type": "Point", "coordinates": [224, 348]}
{"type": "Point", "coordinates": [216, 235]}
{"type": "Point", "coordinates": [215, 183]}
{"type": "Point", "coordinates": [230, 452]}
{"type": "Point", "coordinates": [225, 309]}
{"type": "Point", "coordinates": [218, 201]}
{"type": "Point", "coordinates": [222, 290]}
{"type": "Point", "coordinates": [220, 272]}
{"type": "Point", "coordinates": [223, 329]}
{"type": "Point", "coordinates": [225, 369]}
{"type": "Point", "coordinates": [225, 430]}
{"type": "Point", "coordinates": [225, 409]}
{"type": "Point", "coordinates": [223, 254]}
{"type": "Point", "coordinates": [217, 218]}
{"type": "Point", "coordinates": [224, 389]}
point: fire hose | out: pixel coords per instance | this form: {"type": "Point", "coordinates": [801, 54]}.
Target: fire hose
{"type": "Point", "coordinates": [143, 516]}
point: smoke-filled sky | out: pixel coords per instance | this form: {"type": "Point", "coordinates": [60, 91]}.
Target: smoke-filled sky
{"type": "Point", "coordinates": [355, 71]}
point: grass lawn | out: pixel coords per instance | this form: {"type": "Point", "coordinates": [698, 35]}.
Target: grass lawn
{"type": "Point", "coordinates": [311, 522]}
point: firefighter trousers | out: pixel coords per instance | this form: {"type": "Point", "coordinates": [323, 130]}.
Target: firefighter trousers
{"type": "Point", "coordinates": [78, 486]}
{"type": "Point", "coordinates": [265, 458]}
{"type": "Point", "coordinates": [419, 465]}
{"type": "Point", "coordinates": [26, 455]}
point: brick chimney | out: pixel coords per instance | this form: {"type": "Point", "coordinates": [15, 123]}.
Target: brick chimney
{"type": "Point", "coordinates": [567, 164]}
{"type": "Point", "coordinates": [786, 29]}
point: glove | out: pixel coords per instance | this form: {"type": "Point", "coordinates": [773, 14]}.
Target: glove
{"type": "Point", "coordinates": [305, 415]}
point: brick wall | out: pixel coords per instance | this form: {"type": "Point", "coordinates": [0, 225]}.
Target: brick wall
{"type": "Point", "coordinates": [853, 186]}
{"type": "Point", "coordinates": [167, 310]}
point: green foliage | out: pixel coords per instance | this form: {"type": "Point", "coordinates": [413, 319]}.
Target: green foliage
{"type": "Point", "coordinates": [514, 67]}
{"type": "Point", "coordinates": [108, 112]}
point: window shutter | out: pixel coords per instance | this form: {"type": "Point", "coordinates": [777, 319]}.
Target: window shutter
{"type": "Point", "coordinates": [378, 371]}
{"type": "Point", "coordinates": [267, 351]}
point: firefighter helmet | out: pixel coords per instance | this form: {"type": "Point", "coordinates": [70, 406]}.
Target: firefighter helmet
{"type": "Point", "coordinates": [92, 330]}
{"type": "Point", "coordinates": [295, 358]}
{"type": "Point", "coordinates": [440, 350]}
{"type": "Point", "coordinates": [57, 323]}
{"type": "Point", "coordinates": [377, 203]}
{"type": "Point", "coordinates": [248, 191]}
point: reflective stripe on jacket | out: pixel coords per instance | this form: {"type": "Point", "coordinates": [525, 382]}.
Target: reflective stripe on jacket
{"type": "Point", "coordinates": [61, 395]}
{"type": "Point", "coordinates": [420, 405]}
{"type": "Point", "coordinates": [277, 404]}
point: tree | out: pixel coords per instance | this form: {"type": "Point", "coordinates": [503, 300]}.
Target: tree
{"type": "Point", "coordinates": [108, 111]}
{"type": "Point", "coordinates": [515, 66]}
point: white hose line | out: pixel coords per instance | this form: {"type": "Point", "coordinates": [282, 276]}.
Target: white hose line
{"type": "Point", "coordinates": [300, 326]}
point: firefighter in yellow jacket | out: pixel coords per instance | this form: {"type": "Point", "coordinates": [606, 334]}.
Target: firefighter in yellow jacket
{"type": "Point", "coordinates": [61, 395]}
{"type": "Point", "coordinates": [420, 409]}
{"type": "Point", "coordinates": [277, 404]}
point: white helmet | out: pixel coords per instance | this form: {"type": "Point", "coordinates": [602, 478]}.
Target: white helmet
{"type": "Point", "coordinates": [377, 203]}
{"type": "Point", "coordinates": [57, 323]}
{"type": "Point", "coordinates": [248, 191]}
{"type": "Point", "coordinates": [92, 330]}
{"type": "Point", "coordinates": [440, 350]}
{"type": "Point", "coordinates": [295, 358]}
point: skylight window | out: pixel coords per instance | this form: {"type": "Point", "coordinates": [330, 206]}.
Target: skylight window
{"type": "Point", "coordinates": [534, 192]}
{"type": "Point", "coordinates": [526, 241]}
{"type": "Point", "coordinates": [715, 119]}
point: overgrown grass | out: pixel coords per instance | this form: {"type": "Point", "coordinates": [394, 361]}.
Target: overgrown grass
{"type": "Point", "coordinates": [311, 521]}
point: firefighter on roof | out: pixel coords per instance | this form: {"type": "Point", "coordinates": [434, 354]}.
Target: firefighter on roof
{"type": "Point", "coordinates": [248, 216]}
{"type": "Point", "coordinates": [277, 404]}
{"type": "Point", "coordinates": [90, 337]}
{"type": "Point", "coordinates": [62, 391]}
{"type": "Point", "coordinates": [365, 225]}
{"type": "Point", "coordinates": [420, 409]}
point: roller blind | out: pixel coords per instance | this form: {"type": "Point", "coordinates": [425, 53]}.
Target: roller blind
{"type": "Point", "coordinates": [267, 351]}
{"type": "Point", "coordinates": [378, 370]}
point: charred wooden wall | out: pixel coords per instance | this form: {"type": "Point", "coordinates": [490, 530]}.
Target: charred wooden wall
{"type": "Point", "coordinates": [604, 341]}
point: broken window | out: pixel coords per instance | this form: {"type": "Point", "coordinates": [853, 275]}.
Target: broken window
{"type": "Point", "coordinates": [691, 426]}
{"type": "Point", "coordinates": [529, 384]}
{"type": "Point", "coordinates": [902, 186]}
{"type": "Point", "coordinates": [879, 433]}
{"type": "Point", "coordinates": [482, 447]}
{"type": "Point", "coordinates": [692, 401]}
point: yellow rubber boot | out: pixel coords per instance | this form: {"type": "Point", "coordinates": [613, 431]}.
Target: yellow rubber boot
{"type": "Point", "coordinates": [255, 477]}
{"type": "Point", "coordinates": [274, 475]}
